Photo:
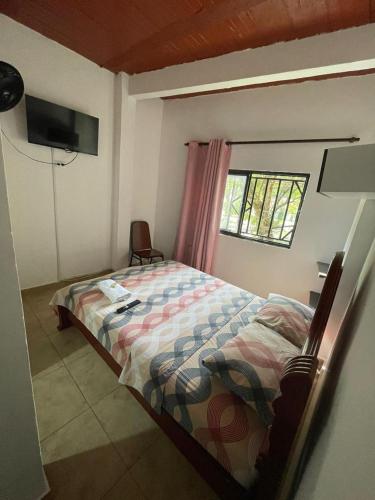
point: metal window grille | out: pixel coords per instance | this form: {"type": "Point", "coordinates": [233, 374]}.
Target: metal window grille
{"type": "Point", "coordinates": [263, 206]}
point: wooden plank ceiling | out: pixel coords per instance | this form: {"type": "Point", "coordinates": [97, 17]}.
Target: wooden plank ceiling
{"type": "Point", "coordinates": [142, 35]}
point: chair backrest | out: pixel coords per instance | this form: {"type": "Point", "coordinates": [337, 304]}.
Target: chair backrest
{"type": "Point", "coordinates": [140, 235]}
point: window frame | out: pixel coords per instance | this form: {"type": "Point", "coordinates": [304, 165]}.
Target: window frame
{"type": "Point", "coordinates": [248, 175]}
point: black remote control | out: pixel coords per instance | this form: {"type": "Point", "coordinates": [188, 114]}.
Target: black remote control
{"type": "Point", "coordinates": [128, 306]}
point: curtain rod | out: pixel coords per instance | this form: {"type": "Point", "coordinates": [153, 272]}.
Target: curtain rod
{"type": "Point", "coordinates": [286, 141]}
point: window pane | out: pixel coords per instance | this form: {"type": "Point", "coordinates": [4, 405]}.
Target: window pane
{"type": "Point", "coordinates": [281, 208]}
{"type": "Point", "coordinates": [272, 207]}
{"type": "Point", "coordinates": [248, 205]}
{"type": "Point", "coordinates": [292, 213]}
{"type": "Point", "coordinates": [233, 197]}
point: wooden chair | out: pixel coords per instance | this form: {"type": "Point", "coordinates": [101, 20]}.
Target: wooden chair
{"type": "Point", "coordinates": [140, 243]}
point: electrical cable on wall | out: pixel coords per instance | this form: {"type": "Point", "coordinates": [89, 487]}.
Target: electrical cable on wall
{"type": "Point", "coordinates": [53, 164]}
{"type": "Point", "coordinates": [54, 191]}
{"type": "Point", "coordinates": [69, 162]}
{"type": "Point", "coordinates": [58, 164]}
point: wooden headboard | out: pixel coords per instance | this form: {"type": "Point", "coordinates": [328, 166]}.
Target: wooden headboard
{"type": "Point", "coordinates": [295, 388]}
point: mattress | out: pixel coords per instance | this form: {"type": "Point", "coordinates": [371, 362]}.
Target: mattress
{"type": "Point", "coordinates": [159, 344]}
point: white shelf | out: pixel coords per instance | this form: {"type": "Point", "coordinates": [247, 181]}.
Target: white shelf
{"type": "Point", "coordinates": [323, 269]}
{"type": "Point", "coordinates": [314, 299]}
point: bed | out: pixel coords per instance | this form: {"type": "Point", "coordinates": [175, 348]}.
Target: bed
{"type": "Point", "coordinates": [157, 349]}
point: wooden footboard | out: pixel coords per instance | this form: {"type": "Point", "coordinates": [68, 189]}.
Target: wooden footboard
{"type": "Point", "coordinates": [295, 388]}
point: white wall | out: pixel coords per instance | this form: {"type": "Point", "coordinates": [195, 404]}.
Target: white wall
{"type": "Point", "coordinates": [148, 126]}
{"type": "Point", "coordinates": [136, 165]}
{"type": "Point", "coordinates": [123, 170]}
{"type": "Point", "coordinates": [21, 471]}
{"type": "Point", "coordinates": [342, 464]}
{"type": "Point", "coordinates": [341, 107]}
{"type": "Point", "coordinates": [84, 189]}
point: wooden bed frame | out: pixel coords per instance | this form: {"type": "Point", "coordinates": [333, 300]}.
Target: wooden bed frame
{"type": "Point", "coordinates": [295, 387]}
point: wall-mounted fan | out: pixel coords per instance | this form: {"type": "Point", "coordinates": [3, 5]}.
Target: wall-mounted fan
{"type": "Point", "coordinates": [11, 86]}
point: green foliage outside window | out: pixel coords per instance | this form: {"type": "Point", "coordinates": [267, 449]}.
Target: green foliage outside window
{"type": "Point", "coordinates": [263, 206]}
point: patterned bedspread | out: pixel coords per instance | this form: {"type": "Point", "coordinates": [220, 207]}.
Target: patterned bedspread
{"type": "Point", "coordinates": [183, 314]}
{"type": "Point", "coordinates": [218, 419]}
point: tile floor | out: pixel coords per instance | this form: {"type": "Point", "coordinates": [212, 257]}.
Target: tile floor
{"type": "Point", "coordinates": [97, 441]}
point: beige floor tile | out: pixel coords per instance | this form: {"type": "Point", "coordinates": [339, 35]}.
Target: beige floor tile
{"type": "Point", "coordinates": [49, 322]}
{"type": "Point", "coordinates": [39, 291]}
{"type": "Point", "coordinates": [39, 300]}
{"type": "Point", "coordinates": [57, 401]}
{"type": "Point", "coordinates": [125, 489]}
{"type": "Point", "coordinates": [48, 319]}
{"type": "Point", "coordinates": [93, 376]}
{"type": "Point", "coordinates": [33, 327]}
{"type": "Point", "coordinates": [163, 473]}
{"type": "Point", "coordinates": [26, 305]}
{"type": "Point", "coordinates": [80, 461]}
{"type": "Point", "coordinates": [43, 311]}
{"type": "Point", "coordinates": [70, 344]}
{"type": "Point", "coordinates": [127, 424]}
{"type": "Point", "coordinates": [43, 356]}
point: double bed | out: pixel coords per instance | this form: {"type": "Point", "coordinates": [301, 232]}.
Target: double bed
{"type": "Point", "coordinates": [158, 347]}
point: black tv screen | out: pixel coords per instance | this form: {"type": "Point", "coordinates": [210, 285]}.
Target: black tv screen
{"type": "Point", "coordinates": [55, 126]}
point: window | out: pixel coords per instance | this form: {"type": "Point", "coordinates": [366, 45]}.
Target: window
{"type": "Point", "coordinates": [263, 206]}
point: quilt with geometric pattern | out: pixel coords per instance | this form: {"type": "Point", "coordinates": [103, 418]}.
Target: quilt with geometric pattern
{"type": "Point", "coordinates": [184, 313]}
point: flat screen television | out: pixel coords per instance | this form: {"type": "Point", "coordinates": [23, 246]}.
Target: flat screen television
{"type": "Point", "coordinates": [55, 126]}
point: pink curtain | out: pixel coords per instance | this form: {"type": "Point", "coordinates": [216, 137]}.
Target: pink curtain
{"type": "Point", "coordinates": [206, 173]}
